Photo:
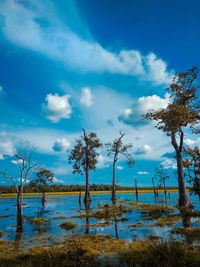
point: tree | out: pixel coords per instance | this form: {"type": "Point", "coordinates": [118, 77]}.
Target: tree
{"type": "Point", "coordinates": [192, 164]}
{"type": "Point", "coordinates": [115, 149]}
{"type": "Point", "coordinates": [84, 156]}
{"type": "Point", "coordinates": [182, 111]}
{"type": "Point", "coordinates": [25, 167]}
{"type": "Point", "coordinates": [162, 176]}
{"type": "Point", "coordinates": [44, 178]}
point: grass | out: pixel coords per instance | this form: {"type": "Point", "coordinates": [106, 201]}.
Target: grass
{"type": "Point", "coordinates": [150, 211]}
{"type": "Point", "coordinates": [38, 221]}
{"type": "Point", "coordinates": [190, 232]}
{"type": "Point", "coordinates": [98, 250]}
{"type": "Point", "coordinates": [59, 218]}
{"type": "Point", "coordinates": [168, 221]}
{"type": "Point", "coordinates": [91, 192]}
{"type": "Point", "coordinates": [67, 225]}
{"type": "Point", "coordinates": [137, 224]}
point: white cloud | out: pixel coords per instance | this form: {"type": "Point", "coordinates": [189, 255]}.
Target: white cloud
{"type": "Point", "coordinates": [6, 145]}
{"type": "Point", "coordinates": [142, 173]}
{"type": "Point", "coordinates": [22, 26]}
{"type": "Point", "coordinates": [169, 164]}
{"type": "Point", "coordinates": [87, 97]}
{"type": "Point", "coordinates": [192, 143]}
{"type": "Point", "coordinates": [133, 116]}
{"type": "Point", "coordinates": [16, 161]}
{"type": "Point", "coordinates": [56, 180]}
{"type": "Point", "coordinates": [57, 107]}
{"type": "Point", "coordinates": [61, 144]}
{"type": "Point", "coordinates": [120, 168]}
{"type": "Point", "coordinates": [145, 149]}
{"type": "Point", "coordinates": [1, 157]}
{"type": "Point", "coordinates": [102, 162]}
{"type": "Point", "coordinates": [1, 89]}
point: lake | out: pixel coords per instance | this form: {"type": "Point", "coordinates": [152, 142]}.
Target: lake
{"type": "Point", "coordinates": [68, 206]}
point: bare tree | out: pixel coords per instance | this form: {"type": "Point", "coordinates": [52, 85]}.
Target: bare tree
{"type": "Point", "coordinates": [114, 149]}
{"type": "Point", "coordinates": [25, 168]}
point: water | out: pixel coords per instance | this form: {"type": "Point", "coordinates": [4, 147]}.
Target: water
{"type": "Point", "coordinates": [68, 206]}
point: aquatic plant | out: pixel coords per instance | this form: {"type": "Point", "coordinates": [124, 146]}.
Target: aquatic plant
{"type": "Point", "coordinates": [67, 225]}
{"type": "Point", "coordinates": [38, 221]}
{"type": "Point", "coordinates": [137, 224]}
{"type": "Point", "coordinates": [59, 218]}
{"type": "Point", "coordinates": [190, 232]}
{"type": "Point", "coordinates": [169, 221]}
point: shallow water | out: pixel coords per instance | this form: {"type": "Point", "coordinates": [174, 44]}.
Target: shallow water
{"type": "Point", "coordinates": [68, 206]}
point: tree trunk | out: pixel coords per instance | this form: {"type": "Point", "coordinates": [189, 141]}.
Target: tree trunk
{"type": "Point", "coordinates": [87, 189]}
{"type": "Point", "coordinates": [113, 186]}
{"type": "Point", "coordinates": [43, 199]}
{"type": "Point", "coordinates": [19, 210]}
{"type": "Point", "coordinates": [184, 201]}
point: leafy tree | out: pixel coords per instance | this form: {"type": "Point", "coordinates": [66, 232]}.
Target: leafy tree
{"type": "Point", "coordinates": [115, 149]}
{"type": "Point", "coordinates": [192, 164]}
{"type": "Point", "coordinates": [162, 176]}
{"type": "Point", "coordinates": [25, 166]}
{"type": "Point", "coordinates": [84, 156]}
{"type": "Point", "coordinates": [44, 178]}
{"type": "Point", "coordinates": [181, 112]}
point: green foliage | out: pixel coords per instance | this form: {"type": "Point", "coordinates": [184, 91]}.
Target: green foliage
{"type": "Point", "coordinates": [44, 177]}
{"type": "Point", "coordinates": [192, 164]}
{"type": "Point", "coordinates": [183, 110]}
{"type": "Point", "coordinates": [84, 153]}
{"type": "Point", "coordinates": [117, 148]}
{"type": "Point", "coordinates": [67, 225]}
{"type": "Point", "coordinates": [161, 175]}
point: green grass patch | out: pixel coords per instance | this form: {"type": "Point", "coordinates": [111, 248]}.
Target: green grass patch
{"type": "Point", "coordinates": [68, 225]}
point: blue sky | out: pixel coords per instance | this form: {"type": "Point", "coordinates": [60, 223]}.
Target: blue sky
{"type": "Point", "coordinates": [93, 64]}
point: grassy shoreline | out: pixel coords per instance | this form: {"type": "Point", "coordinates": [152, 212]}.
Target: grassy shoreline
{"type": "Point", "coordinates": [92, 192]}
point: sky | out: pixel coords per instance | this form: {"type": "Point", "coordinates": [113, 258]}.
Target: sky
{"type": "Point", "coordinates": [97, 65]}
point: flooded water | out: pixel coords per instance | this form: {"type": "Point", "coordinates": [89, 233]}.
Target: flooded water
{"type": "Point", "coordinates": [68, 206]}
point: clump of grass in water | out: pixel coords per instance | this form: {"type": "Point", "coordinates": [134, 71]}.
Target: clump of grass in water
{"type": "Point", "coordinates": [67, 225]}
{"type": "Point", "coordinates": [190, 232]}
{"type": "Point", "coordinates": [38, 221]}
{"type": "Point", "coordinates": [150, 211]}
{"type": "Point", "coordinates": [137, 224]}
{"type": "Point", "coordinates": [169, 221]}
{"type": "Point", "coordinates": [59, 218]}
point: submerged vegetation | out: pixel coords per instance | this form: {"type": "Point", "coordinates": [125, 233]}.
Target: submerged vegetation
{"type": "Point", "coordinates": [38, 221]}
{"type": "Point", "coordinates": [68, 225]}
{"type": "Point", "coordinates": [98, 250]}
{"type": "Point", "coordinates": [189, 232]}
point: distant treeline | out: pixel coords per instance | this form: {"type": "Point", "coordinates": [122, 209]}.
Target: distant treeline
{"type": "Point", "coordinates": [71, 188]}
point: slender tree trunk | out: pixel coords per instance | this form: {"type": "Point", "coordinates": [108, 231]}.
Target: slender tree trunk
{"type": "Point", "coordinates": [154, 190]}
{"type": "Point", "coordinates": [113, 185]}
{"type": "Point", "coordinates": [19, 210]}
{"type": "Point", "coordinates": [184, 201]}
{"type": "Point", "coordinates": [43, 199]}
{"type": "Point", "coordinates": [87, 189]}
{"type": "Point", "coordinates": [165, 190]}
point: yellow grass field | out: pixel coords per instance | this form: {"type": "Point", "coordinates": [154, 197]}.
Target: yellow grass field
{"type": "Point", "coordinates": [92, 192]}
